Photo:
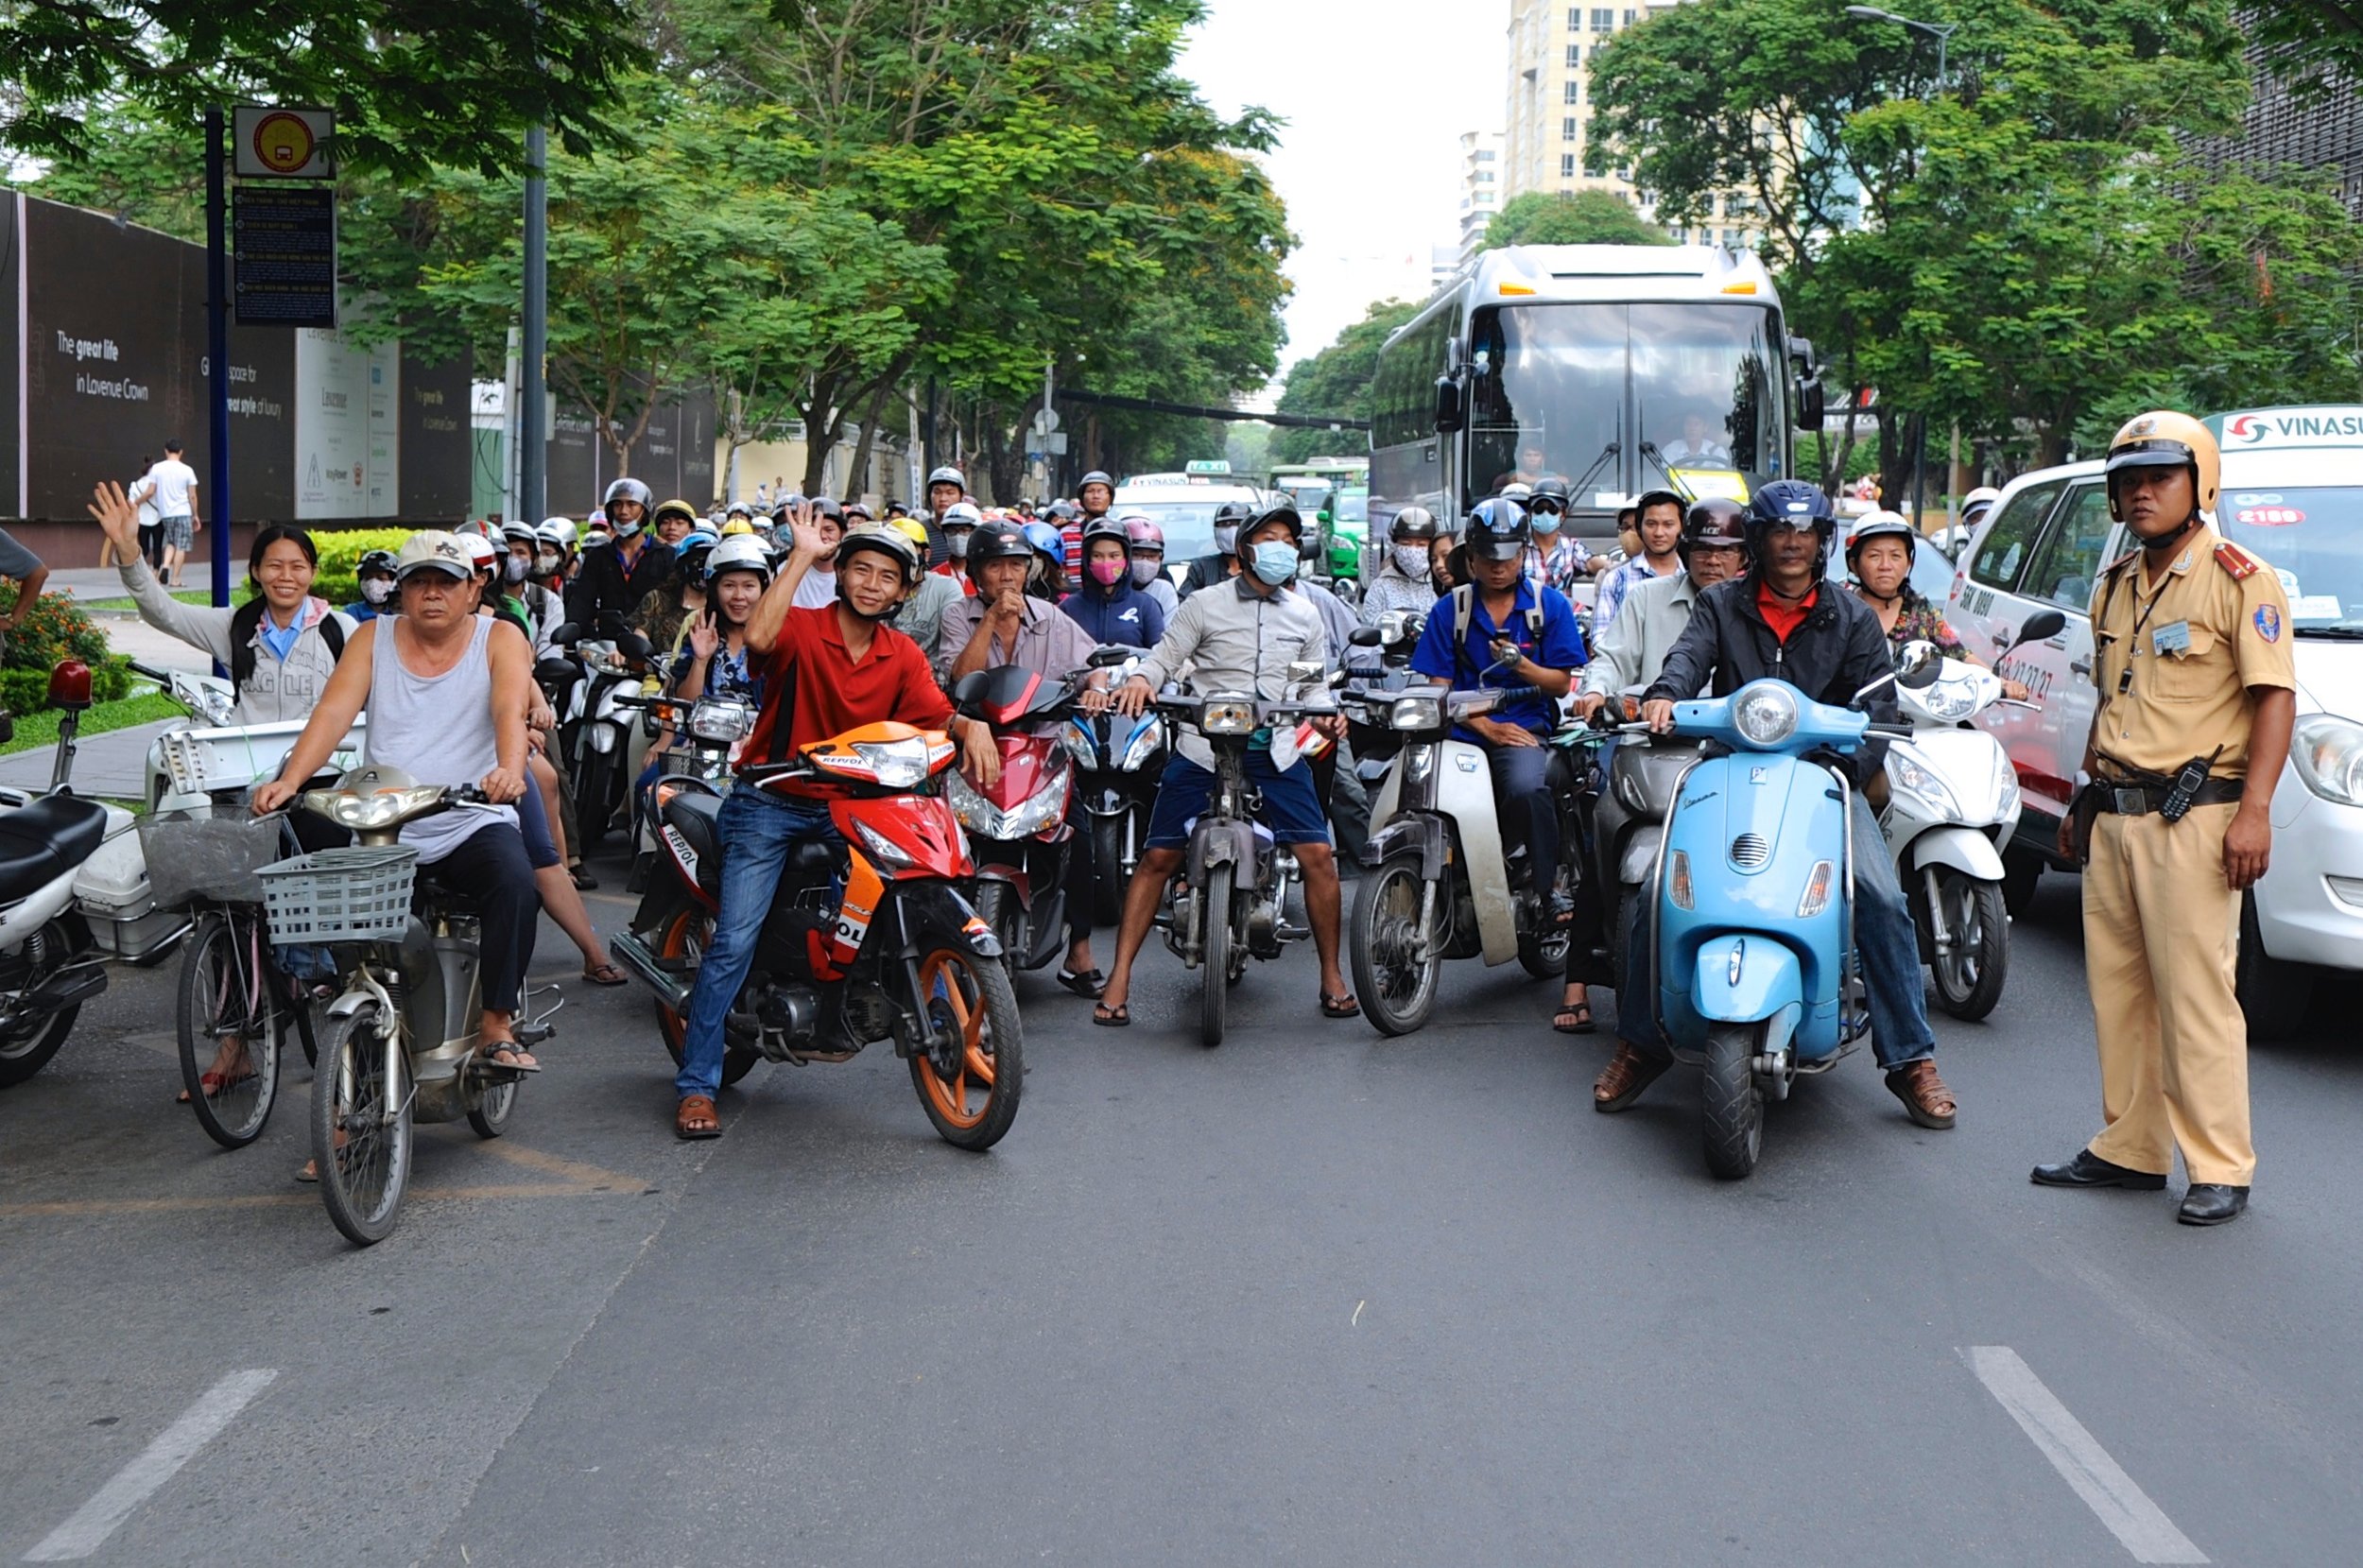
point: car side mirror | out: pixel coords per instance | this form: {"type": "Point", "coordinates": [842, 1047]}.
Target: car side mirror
{"type": "Point", "coordinates": [1449, 417]}
{"type": "Point", "coordinates": [2040, 627]}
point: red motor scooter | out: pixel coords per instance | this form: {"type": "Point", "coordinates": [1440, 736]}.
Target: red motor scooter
{"type": "Point", "coordinates": [1018, 826]}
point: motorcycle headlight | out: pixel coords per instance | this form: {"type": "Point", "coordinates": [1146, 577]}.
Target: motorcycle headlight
{"type": "Point", "coordinates": [1234, 716]}
{"type": "Point", "coordinates": [1765, 714]}
{"type": "Point", "coordinates": [1022, 821]}
{"type": "Point", "coordinates": [721, 721]}
{"type": "Point", "coordinates": [1076, 736]}
{"type": "Point", "coordinates": [1951, 700]}
{"type": "Point", "coordinates": [383, 809]}
{"type": "Point", "coordinates": [1415, 713]}
{"type": "Point", "coordinates": [1915, 778]}
{"type": "Point", "coordinates": [1148, 738]}
{"type": "Point", "coordinates": [2327, 751]}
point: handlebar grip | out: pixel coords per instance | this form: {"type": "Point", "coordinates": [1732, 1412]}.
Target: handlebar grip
{"type": "Point", "coordinates": [145, 673]}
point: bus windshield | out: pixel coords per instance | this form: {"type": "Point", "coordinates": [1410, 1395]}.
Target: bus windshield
{"type": "Point", "coordinates": [1614, 396]}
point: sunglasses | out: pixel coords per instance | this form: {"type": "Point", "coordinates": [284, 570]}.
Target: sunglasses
{"type": "Point", "coordinates": [1548, 508]}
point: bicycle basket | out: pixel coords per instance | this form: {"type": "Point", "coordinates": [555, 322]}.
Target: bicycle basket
{"type": "Point", "coordinates": [209, 852]}
{"type": "Point", "coordinates": [351, 895]}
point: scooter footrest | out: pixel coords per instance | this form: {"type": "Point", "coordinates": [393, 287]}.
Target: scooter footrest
{"type": "Point", "coordinates": [534, 1034]}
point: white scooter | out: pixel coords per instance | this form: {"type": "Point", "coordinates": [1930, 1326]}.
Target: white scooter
{"type": "Point", "coordinates": [1952, 802]}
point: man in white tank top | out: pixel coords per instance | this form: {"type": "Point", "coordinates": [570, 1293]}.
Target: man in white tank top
{"type": "Point", "coordinates": [446, 692]}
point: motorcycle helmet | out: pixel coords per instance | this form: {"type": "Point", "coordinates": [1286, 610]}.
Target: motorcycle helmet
{"type": "Point", "coordinates": [872, 536]}
{"type": "Point", "coordinates": [629, 490]}
{"type": "Point", "coordinates": [912, 529]}
{"type": "Point", "coordinates": [519, 532]}
{"type": "Point", "coordinates": [1095, 477]}
{"type": "Point", "coordinates": [1882, 525]}
{"type": "Point", "coordinates": [557, 530]}
{"type": "Point", "coordinates": [1046, 540]}
{"type": "Point", "coordinates": [1064, 511]}
{"type": "Point", "coordinates": [1234, 515]}
{"type": "Point", "coordinates": [1974, 505]}
{"type": "Point", "coordinates": [1141, 534]}
{"type": "Point", "coordinates": [690, 554]}
{"type": "Point", "coordinates": [2166, 440]}
{"type": "Point", "coordinates": [1496, 529]}
{"type": "Point", "coordinates": [1412, 525]}
{"type": "Point", "coordinates": [948, 474]}
{"type": "Point", "coordinates": [1713, 523]}
{"type": "Point", "coordinates": [675, 508]}
{"type": "Point", "coordinates": [1551, 487]}
{"type": "Point", "coordinates": [1788, 504]}
{"type": "Point", "coordinates": [740, 553]}
{"type": "Point", "coordinates": [996, 541]}
{"type": "Point", "coordinates": [1282, 513]}
{"type": "Point", "coordinates": [374, 561]}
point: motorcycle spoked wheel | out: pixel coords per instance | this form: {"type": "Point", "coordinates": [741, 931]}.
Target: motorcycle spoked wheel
{"type": "Point", "coordinates": [1732, 1102]}
{"type": "Point", "coordinates": [1214, 970]}
{"type": "Point", "coordinates": [1543, 952]}
{"type": "Point", "coordinates": [29, 1048]}
{"type": "Point", "coordinates": [1968, 980]}
{"type": "Point", "coordinates": [1396, 965]}
{"type": "Point", "coordinates": [683, 934]}
{"type": "Point", "coordinates": [971, 1091]}
{"type": "Point", "coordinates": [364, 1177]}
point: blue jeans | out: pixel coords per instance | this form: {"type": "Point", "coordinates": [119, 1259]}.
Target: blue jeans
{"type": "Point", "coordinates": [1886, 944]}
{"type": "Point", "coordinates": [1522, 788]}
{"type": "Point", "coordinates": [757, 830]}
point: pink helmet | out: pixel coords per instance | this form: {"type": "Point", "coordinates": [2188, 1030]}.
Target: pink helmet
{"type": "Point", "coordinates": [1139, 531]}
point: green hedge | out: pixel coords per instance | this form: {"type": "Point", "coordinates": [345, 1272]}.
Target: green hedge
{"type": "Point", "coordinates": [57, 629]}
{"type": "Point", "coordinates": [341, 551]}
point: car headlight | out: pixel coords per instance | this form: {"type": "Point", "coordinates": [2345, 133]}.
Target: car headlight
{"type": "Point", "coordinates": [1915, 778]}
{"type": "Point", "coordinates": [1765, 714]}
{"type": "Point", "coordinates": [1231, 717]}
{"type": "Point", "coordinates": [1415, 713]}
{"type": "Point", "coordinates": [2328, 753]}
{"type": "Point", "coordinates": [1148, 738]}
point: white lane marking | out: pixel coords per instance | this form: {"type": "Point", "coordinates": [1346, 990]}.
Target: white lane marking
{"type": "Point", "coordinates": [2139, 1524]}
{"type": "Point", "coordinates": [200, 1424]}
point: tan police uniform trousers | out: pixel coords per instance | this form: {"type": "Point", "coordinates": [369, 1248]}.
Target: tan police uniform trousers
{"type": "Point", "coordinates": [2160, 934]}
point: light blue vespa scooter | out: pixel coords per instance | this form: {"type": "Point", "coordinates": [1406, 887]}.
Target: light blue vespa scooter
{"type": "Point", "coordinates": [1754, 906]}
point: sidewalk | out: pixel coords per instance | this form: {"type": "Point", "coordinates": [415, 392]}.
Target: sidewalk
{"type": "Point", "coordinates": [113, 766]}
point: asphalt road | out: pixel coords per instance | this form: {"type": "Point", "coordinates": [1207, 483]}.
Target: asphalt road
{"type": "Point", "coordinates": [1314, 1297]}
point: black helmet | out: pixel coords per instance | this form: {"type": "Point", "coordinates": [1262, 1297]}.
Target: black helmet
{"type": "Point", "coordinates": [1551, 490]}
{"type": "Point", "coordinates": [1713, 524]}
{"type": "Point", "coordinates": [1788, 504]}
{"type": "Point", "coordinates": [886, 542]}
{"type": "Point", "coordinates": [1496, 529]}
{"type": "Point", "coordinates": [1412, 522]}
{"type": "Point", "coordinates": [630, 490]}
{"type": "Point", "coordinates": [1680, 502]}
{"type": "Point", "coordinates": [1096, 476]}
{"type": "Point", "coordinates": [1105, 527]}
{"type": "Point", "coordinates": [996, 541]}
{"type": "Point", "coordinates": [823, 505]}
{"type": "Point", "coordinates": [1233, 514]}
{"type": "Point", "coordinates": [1278, 512]}
{"type": "Point", "coordinates": [1064, 511]}
{"type": "Point", "coordinates": [374, 560]}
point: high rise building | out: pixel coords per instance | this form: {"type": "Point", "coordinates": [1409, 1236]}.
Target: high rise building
{"type": "Point", "coordinates": [1480, 186]}
{"type": "Point", "coordinates": [1549, 112]}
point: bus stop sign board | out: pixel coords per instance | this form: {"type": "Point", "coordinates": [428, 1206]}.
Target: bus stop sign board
{"type": "Point", "coordinates": [284, 143]}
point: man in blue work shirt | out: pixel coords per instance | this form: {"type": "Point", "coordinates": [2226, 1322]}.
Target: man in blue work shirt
{"type": "Point", "coordinates": [1500, 630]}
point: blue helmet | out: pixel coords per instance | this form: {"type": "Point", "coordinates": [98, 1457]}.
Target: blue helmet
{"type": "Point", "coordinates": [1497, 529]}
{"type": "Point", "coordinates": [1788, 504]}
{"type": "Point", "coordinates": [1047, 540]}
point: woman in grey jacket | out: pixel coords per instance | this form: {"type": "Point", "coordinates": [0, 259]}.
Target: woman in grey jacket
{"type": "Point", "coordinates": [281, 646]}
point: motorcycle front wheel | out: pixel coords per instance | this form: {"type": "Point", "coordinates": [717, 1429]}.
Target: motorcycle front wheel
{"type": "Point", "coordinates": [1213, 905]}
{"type": "Point", "coordinates": [683, 934]}
{"type": "Point", "coordinates": [970, 1089]}
{"type": "Point", "coordinates": [1396, 961]}
{"type": "Point", "coordinates": [1969, 978]}
{"type": "Point", "coordinates": [361, 1152]}
{"type": "Point", "coordinates": [1108, 878]}
{"type": "Point", "coordinates": [1733, 1102]}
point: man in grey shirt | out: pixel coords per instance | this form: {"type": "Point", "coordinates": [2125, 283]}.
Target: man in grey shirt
{"type": "Point", "coordinates": [1240, 637]}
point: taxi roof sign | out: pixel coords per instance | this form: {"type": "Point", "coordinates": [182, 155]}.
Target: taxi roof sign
{"type": "Point", "coordinates": [2316, 426]}
{"type": "Point", "coordinates": [1207, 465]}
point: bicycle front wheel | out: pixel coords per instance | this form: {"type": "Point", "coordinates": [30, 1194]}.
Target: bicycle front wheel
{"type": "Point", "coordinates": [361, 1129]}
{"type": "Point", "coordinates": [229, 1049]}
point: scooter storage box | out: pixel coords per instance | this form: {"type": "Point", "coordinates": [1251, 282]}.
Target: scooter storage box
{"type": "Point", "coordinates": [112, 892]}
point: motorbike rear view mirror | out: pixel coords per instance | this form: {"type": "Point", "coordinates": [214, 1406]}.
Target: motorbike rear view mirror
{"type": "Point", "coordinates": [1303, 670]}
{"type": "Point", "coordinates": [1110, 656]}
{"type": "Point", "coordinates": [1920, 664]}
{"type": "Point", "coordinates": [553, 671]}
{"type": "Point", "coordinates": [1365, 636]}
{"type": "Point", "coordinates": [2040, 627]}
{"type": "Point", "coordinates": [1002, 693]}
{"type": "Point", "coordinates": [566, 635]}
{"type": "Point", "coordinates": [632, 645]}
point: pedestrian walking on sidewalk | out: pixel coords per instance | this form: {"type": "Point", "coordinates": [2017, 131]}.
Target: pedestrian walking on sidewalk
{"type": "Point", "coordinates": [171, 488]}
{"type": "Point", "coordinates": [2196, 700]}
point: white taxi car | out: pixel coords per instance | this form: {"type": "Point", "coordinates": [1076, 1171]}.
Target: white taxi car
{"type": "Point", "coordinates": [2293, 496]}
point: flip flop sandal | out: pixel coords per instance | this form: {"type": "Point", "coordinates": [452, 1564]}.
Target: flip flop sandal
{"type": "Point", "coordinates": [1582, 1012]}
{"type": "Point", "coordinates": [1117, 1017]}
{"type": "Point", "coordinates": [606, 974]}
{"type": "Point", "coordinates": [696, 1119]}
{"type": "Point", "coordinates": [213, 1083]}
{"type": "Point", "coordinates": [1090, 982]}
{"type": "Point", "coordinates": [486, 1054]}
{"type": "Point", "coordinates": [1346, 1006]}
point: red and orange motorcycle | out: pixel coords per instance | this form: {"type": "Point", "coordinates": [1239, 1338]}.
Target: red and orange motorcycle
{"type": "Point", "coordinates": [870, 937]}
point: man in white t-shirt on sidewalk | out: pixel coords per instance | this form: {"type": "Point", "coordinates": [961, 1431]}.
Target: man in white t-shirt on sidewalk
{"type": "Point", "coordinates": [171, 488]}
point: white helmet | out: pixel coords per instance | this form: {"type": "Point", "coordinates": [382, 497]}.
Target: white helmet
{"type": "Point", "coordinates": [960, 514]}
{"type": "Point", "coordinates": [1984, 495]}
{"type": "Point", "coordinates": [557, 530]}
{"type": "Point", "coordinates": [739, 553]}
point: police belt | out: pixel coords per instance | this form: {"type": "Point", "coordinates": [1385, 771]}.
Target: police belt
{"type": "Point", "coordinates": [2141, 800]}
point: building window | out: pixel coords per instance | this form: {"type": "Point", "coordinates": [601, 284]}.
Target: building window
{"type": "Point", "coordinates": [1485, 155]}
{"type": "Point", "coordinates": [1574, 19]}
{"type": "Point", "coordinates": [1567, 165]}
{"type": "Point", "coordinates": [1631, 17]}
{"type": "Point", "coordinates": [1567, 131]}
{"type": "Point", "coordinates": [1603, 20]}
{"type": "Point", "coordinates": [1485, 177]}
{"type": "Point", "coordinates": [1570, 91]}
{"type": "Point", "coordinates": [1575, 55]}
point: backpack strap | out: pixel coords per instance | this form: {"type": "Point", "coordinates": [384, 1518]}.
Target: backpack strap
{"type": "Point", "coordinates": [248, 619]}
{"type": "Point", "coordinates": [1463, 606]}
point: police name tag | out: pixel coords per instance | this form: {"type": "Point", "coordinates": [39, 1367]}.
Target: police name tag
{"type": "Point", "coordinates": [2173, 637]}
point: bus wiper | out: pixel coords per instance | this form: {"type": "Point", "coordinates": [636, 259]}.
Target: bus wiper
{"type": "Point", "coordinates": [1648, 449]}
{"type": "Point", "coordinates": [1610, 450]}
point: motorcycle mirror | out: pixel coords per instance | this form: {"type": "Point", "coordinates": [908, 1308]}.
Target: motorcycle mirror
{"type": "Point", "coordinates": [2040, 627]}
{"type": "Point", "coordinates": [566, 635]}
{"type": "Point", "coordinates": [1365, 636]}
{"type": "Point", "coordinates": [1301, 670]}
{"type": "Point", "coordinates": [632, 645]}
{"type": "Point", "coordinates": [1110, 656]}
{"type": "Point", "coordinates": [610, 623]}
{"type": "Point", "coordinates": [1919, 665]}
{"type": "Point", "coordinates": [554, 671]}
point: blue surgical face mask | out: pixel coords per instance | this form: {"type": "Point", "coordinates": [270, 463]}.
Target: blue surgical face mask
{"type": "Point", "coordinates": [1227, 539]}
{"type": "Point", "coordinates": [1546, 521]}
{"type": "Point", "coordinates": [1274, 561]}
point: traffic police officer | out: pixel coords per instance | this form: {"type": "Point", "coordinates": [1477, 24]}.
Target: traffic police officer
{"type": "Point", "coordinates": [2196, 700]}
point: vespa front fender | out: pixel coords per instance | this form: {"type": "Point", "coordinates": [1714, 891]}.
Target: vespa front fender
{"type": "Point", "coordinates": [1464, 792]}
{"type": "Point", "coordinates": [1965, 850]}
{"type": "Point", "coordinates": [1741, 979]}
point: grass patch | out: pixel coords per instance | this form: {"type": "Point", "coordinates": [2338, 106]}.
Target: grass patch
{"type": "Point", "coordinates": [35, 732]}
{"type": "Point", "coordinates": [125, 604]}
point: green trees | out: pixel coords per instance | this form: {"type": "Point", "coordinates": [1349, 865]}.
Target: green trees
{"type": "Point", "coordinates": [2023, 251]}
{"type": "Point", "coordinates": [1578, 218]}
{"type": "Point", "coordinates": [1336, 380]}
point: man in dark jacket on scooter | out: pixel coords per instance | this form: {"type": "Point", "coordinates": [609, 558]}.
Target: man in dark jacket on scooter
{"type": "Point", "coordinates": [1782, 618]}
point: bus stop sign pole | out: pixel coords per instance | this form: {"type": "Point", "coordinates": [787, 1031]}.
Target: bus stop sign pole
{"type": "Point", "coordinates": [215, 501]}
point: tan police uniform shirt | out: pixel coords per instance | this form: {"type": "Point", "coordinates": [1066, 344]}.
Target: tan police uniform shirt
{"type": "Point", "coordinates": [2175, 662]}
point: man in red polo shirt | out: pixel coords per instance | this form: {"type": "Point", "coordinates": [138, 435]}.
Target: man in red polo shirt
{"type": "Point", "coordinates": [826, 670]}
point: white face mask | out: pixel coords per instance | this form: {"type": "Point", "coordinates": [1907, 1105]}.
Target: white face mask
{"type": "Point", "coordinates": [376, 591]}
{"type": "Point", "coordinates": [1227, 539]}
{"type": "Point", "coordinates": [1147, 572]}
{"type": "Point", "coordinates": [514, 568]}
{"type": "Point", "coordinates": [546, 563]}
{"type": "Point", "coordinates": [1411, 560]}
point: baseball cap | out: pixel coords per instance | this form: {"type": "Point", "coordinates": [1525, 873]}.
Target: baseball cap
{"type": "Point", "coordinates": [433, 550]}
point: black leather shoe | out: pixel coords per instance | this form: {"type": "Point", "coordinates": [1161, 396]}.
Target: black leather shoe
{"type": "Point", "coordinates": [2090, 1170]}
{"type": "Point", "coordinates": [2212, 1203]}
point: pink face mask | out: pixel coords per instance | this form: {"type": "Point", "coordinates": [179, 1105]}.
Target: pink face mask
{"type": "Point", "coordinates": [1105, 572]}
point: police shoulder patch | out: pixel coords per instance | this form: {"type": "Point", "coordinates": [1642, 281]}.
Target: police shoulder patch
{"type": "Point", "coordinates": [2121, 562]}
{"type": "Point", "coordinates": [2237, 563]}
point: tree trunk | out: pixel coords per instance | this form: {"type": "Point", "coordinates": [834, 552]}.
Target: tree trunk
{"type": "Point", "coordinates": [1005, 460]}
{"type": "Point", "coordinates": [870, 418]}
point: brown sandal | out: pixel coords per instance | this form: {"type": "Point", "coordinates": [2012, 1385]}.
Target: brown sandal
{"type": "Point", "coordinates": [1627, 1073]}
{"type": "Point", "coordinates": [1926, 1100]}
{"type": "Point", "coordinates": [696, 1119]}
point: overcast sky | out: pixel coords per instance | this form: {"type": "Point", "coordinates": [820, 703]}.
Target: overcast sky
{"type": "Point", "coordinates": [1375, 95]}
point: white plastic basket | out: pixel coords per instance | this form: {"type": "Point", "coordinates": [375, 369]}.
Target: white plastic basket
{"type": "Point", "coordinates": [351, 895]}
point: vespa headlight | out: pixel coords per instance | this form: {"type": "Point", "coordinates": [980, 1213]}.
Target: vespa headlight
{"type": "Point", "coordinates": [1916, 779]}
{"type": "Point", "coordinates": [1950, 700]}
{"type": "Point", "coordinates": [1415, 713]}
{"type": "Point", "coordinates": [1228, 716]}
{"type": "Point", "coordinates": [2327, 751]}
{"type": "Point", "coordinates": [1148, 738]}
{"type": "Point", "coordinates": [1765, 714]}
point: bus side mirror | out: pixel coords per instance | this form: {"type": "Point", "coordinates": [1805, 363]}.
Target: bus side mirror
{"type": "Point", "coordinates": [1448, 411]}
{"type": "Point", "coordinates": [1809, 404]}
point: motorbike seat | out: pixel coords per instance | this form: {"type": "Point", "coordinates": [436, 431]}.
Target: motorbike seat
{"type": "Point", "coordinates": [46, 840]}
{"type": "Point", "coordinates": [697, 816]}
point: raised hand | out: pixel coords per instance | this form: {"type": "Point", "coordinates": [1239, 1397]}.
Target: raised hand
{"type": "Point", "coordinates": [116, 516]}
